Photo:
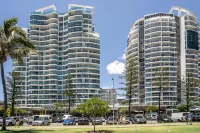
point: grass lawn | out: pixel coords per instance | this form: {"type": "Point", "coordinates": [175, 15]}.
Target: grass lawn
{"type": "Point", "coordinates": [133, 129]}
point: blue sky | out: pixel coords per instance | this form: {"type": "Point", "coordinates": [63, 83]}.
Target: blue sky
{"type": "Point", "coordinates": [113, 19]}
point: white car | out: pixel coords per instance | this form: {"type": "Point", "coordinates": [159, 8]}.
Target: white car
{"type": "Point", "coordinates": [41, 121]}
{"type": "Point", "coordinates": [103, 119]}
{"type": "Point", "coordinates": [10, 121]}
{"type": "Point", "coordinates": [66, 117]}
{"type": "Point", "coordinates": [1, 121]}
{"type": "Point", "coordinates": [179, 116]}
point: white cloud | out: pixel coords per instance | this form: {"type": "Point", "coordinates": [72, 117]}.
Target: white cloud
{"type": "Point", "coordinates": [107, 87]}
{"type": "Point", "coordinates": [123, 57]}
{"type": "Point", "coordinates": [115, 67]}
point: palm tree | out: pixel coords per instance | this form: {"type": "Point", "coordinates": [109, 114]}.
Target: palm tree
{"type": "Point", "coordinates": [14, 44]}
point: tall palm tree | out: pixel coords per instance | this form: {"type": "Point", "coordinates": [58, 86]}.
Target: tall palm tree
{"type": "Point", "coordinates": [14, 44]}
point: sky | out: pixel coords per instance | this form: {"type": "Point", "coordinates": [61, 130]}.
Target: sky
{"type": "Point", "coordinates": [112, 19]}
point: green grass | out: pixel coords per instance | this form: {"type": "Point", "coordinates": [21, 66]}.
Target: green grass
{"type": "Point", "coordinates": [130, 129]}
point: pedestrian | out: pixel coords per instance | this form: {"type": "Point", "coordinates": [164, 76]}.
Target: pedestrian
{"type": "Point", "coordinates": [190, 116]}
{"type": "Point", "coordinates": [120, 119]}
{"type": "Point", "coordinates": [17, 123]}
{"type": "Point", "coordinates": [186, 117]}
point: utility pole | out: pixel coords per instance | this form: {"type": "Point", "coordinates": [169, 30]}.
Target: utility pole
{"type": "Point", "coordinates": [113, 101]}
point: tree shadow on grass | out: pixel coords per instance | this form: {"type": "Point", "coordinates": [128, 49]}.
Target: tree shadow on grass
{"type": "Point", "coordinates": [100, 131]}
{"type": "Point", "coordinates": [27, 131]}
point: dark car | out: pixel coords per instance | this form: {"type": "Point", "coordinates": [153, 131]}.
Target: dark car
{"type": "Point", "coordinates": [139, 119]}
{"type": "Point", "coordinates": [75, 119]}
{"type": "Point", "coordinates": [164, 118]}
{"type": "Point", "coordinates": [83, 121]}
{"type": "Point", "coordinates": [68, 122]}
{"type": "Point", "coordinates": [111, 121]}
{"type": "Point", "coordinates": [196, 117]}
{"type": "Point", "coordinates": [58, 120]}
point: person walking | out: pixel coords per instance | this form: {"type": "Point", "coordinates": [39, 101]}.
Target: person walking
{"type": "Point", "coordinates": [190, 116]}
{"type": "Point", "coordinates": [186, 117]}
{"type": "Point", "coordinates": [17, 123]}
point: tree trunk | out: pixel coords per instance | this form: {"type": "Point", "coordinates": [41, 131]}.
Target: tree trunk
{"type": "Point", "coordinates": [94, 123]}
{"type": "Point", "coordinates": [159, 102]}
{"type": "Point", "coordinates": [5, 97]}
{"type": "Point", "coordinates": [69, 104]}
{"type": "Point", "coordinates": [13, 98]}
{"type": "Point", "coordinates": [130, 96]}
{"type": "Point", "coordinates": [188, 94]}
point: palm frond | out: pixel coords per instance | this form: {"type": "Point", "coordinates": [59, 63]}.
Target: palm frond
{"type": "Point", "coordinates": [8, 24]}
{"type": "Point", "coordinates": [18, 31]}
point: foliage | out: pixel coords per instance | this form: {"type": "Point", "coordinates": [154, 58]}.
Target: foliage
{"type": "Point", "coordinates": [76, 112]}
{"type": "Point", "coordinates": [124, 110]}
{"type": "Point", "coordinates": [15, 44]}
{"type": "Point", "coordinates": [94, 107]}
{"type": "Point", "coordinates": [69, 92]}
{"type": "Point", "coordinates": [132, 78]}
{"type": "Point", "coordinates": [58, 106]}
{"type": "Point", "coordinates": [182, 108]}
{"type": "Point", "coordinates": [190, 85]}
{"type": "Point", "coordinates": [161, 80]}
{"type": "Point", "coordinates": [151, 109]}
{"type": "Point", "coordinates": [13, 90]}
{"type": "Point", "coordinates": [17, 111]}
{"type": "Point", "coordinates": [124, 102]}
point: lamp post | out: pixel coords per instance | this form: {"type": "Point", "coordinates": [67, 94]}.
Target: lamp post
{"type": "Point", "coordinates": [113, 101]}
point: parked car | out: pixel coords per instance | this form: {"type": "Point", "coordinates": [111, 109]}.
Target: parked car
{"type": "Point", "coordinates": [139, 119]}
{"type": "Point", "coordinates": [21, 120]}
{"type": "Point", "coordinates": [164, 118]}
{"type": "Point", "coordinates": [97, 121]}
{"type": "Point", "coordinates": [151, 117]}
{"type": "Point", "coordinates": [59, 120]}
{"type": "Point", "coordinates": [66, 117]}
{"type": "Point", "coordinates": [68, 122]}
{"type": "Point", "coordinates": [41, 121]}
{"type": "Point", "coordinates": [179, 116]}
{"type": "Point", "coordinates": [30, 120]}
{"type": "Point", "coordinates": [10, 121]}
{"type": "Point", "coordinates": [196, 117]}
{"type": "Point", "coordinates": [111, 120]}
{"type": "Point", "coordinates": [75, 119]}
{"type": "Point", "coordinates": [103, 119]}
{"type": "Point", "coordinates": [1, 121]}
{"type": "Point", "coordinates": [83, 121]}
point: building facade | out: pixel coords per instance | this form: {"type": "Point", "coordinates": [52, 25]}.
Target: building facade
{"type": "Point", "coordinates": [109, 95]}
{"type": "Point", "coordinates": [67, 45]}
{"type": "Point", "coordinates": [164, 41]}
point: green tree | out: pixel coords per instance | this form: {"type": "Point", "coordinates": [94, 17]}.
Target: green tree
{"type": "Point", "coordinates": [124, 110]}
{"type": "Point", "coordinates": [94, 107]}
{"type": "Point", "coordinates": [182, 107]}
{"type": "Point", "coordinates": [69, 92]}
{"type": "Point", "coordinates": [76, 112]}
{"type": "Point", "coordinates": [161, 80]}
{"type": "Point", "coordinates": [58, 106]}
{"type": "Point", "coordinates": [191, 85]}
{"type": "Point", "coordinates": [13, 90]}
{"type": "Point", "coordinates": [14, 44]}
{"type": "Point", "coordinates": [151, 108]}
{"type": "Point", "coordinates": [132, 78]}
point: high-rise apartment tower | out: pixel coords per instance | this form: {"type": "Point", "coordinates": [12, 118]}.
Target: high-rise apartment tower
{"type": "Point", "coordinates": [67, 44]}
{"type": "Point", "coordinates": [164, 40]}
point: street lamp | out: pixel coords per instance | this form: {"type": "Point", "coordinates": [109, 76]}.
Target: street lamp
{"type": "Point", "coordinates": [113, 101]}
